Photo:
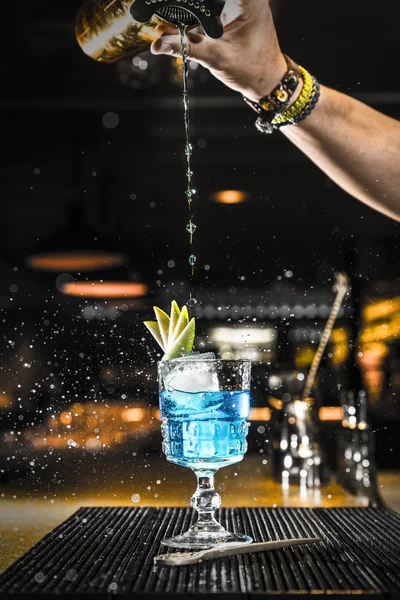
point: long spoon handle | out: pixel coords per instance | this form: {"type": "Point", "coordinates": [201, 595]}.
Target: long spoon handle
{"type": "Point", "coordinates": [191, 558]}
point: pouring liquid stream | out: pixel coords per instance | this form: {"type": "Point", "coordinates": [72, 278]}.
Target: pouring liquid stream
{"type": "Point", "coordinates": [189, 192]}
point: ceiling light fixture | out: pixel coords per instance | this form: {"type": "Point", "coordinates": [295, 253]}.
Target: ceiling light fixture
{"type": "Point", "coordinates": [104, 289]}
{"type": "Point", "coordinates": [74, 248]}
{"type": "Point", "coordinates": [230, 196]}
{"type": "Point", "coordinates": [118, 283]}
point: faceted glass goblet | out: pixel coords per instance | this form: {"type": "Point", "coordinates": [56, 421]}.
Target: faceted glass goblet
{"type": "Point", "coordinates": [204, 406]}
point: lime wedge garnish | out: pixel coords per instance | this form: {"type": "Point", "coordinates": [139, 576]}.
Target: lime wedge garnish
{"type": "Point", "coordinates": [181, 324]}
{"type": "Point", "coordinates": [163, 323]}
{"type": "Point", "coordinates": [173, 320]}
{"type": "Point", "coordinates": [154, 329]}
{"type": "Point", "coordinates": [183, 344]}
{"type": "Point", "coordinates": [174, 333]}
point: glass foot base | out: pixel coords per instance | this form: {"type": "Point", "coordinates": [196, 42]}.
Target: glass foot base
{"type": "Point", "coordinates": [193, 540]}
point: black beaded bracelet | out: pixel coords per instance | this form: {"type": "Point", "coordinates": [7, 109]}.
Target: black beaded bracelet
{"type": "Point", "coordinates": [277, 101]}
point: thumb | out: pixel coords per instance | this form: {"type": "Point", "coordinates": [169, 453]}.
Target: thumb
{"type": "Point", "coordinates": [198, 47]}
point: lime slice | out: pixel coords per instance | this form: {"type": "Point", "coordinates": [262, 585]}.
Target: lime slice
{"type": "Point", "coordinates": [173, 320]}
{"type": "Point", "coordinates": [183, 344]}
{"type": "Point", "coordinates": [154, 329]}
{"type": "Point", "coordinates": [174, 333]}
{"type": "Point", "coordinates": [163, 323]}
{"type": "Point", "coordinates": [181, 324]}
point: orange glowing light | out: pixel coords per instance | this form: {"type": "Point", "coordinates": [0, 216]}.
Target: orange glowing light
{"type": "Point", "coordinates": [121, 437]}
{"type": "Point", "coordinates": [382, 309]}
{"type": "Point", "coordinates": [275, 403]}
{"type": "Point", "coordinates": [132, 415]}
{"type": "Point", "coordinates": [104, 289]}
{"type": "Point", "coordinates": [304, 356]}
{"type": "Point", "coordinates": [65, 418]}
{"type": "Point", "coordinates": [77, 409]}
{"type": "Point", "coordinates": [5, 401]}
{"type": "Point", "coordinates": [260, 414]}
{"type": "Point", "coordinates": [75, 261]}
{"type": "Point", "coordinates": [330, 413]}
{"type": "Point", "coordinates": [230, 196]}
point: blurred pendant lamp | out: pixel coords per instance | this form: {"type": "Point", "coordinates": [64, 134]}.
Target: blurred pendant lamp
{"type": "Point", "coordinates": [79, 249]}
{"type": "Point", "coordinates": [124, 286]}
{"type": "Point", "coordinates": [75, 247]}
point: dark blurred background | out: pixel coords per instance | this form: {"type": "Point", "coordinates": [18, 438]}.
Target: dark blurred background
{"type": "Point", "coordinates": [96, 151]}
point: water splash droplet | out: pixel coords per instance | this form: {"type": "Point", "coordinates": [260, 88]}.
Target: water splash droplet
{"type": "Point", "coordinates": [190, 194]}
{"type": "Point", "coordinates": [191, 227]}
{"type": "Point", "coordinates": [191, 302]}
{"type": "Point", "coordinates": [188, 149]}
{"type": "Point", "coordinates": [192, 260]}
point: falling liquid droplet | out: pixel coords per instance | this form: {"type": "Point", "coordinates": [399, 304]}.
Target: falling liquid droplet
{"type": "Point", "coordinates": [191, 302]}
{"type": "Point", "coordinates": [189, 192]}
{"type": "Point", "coordinates": [191, 227]}
{"type": "Point", "coordinates": [186, 100]}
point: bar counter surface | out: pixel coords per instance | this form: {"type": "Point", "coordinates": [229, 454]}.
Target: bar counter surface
{"type": "Point", "coordinates": [155, 483]}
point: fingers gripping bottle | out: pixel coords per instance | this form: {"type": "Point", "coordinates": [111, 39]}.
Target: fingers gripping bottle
{"type": "Point", "coordinates": [108, 30]}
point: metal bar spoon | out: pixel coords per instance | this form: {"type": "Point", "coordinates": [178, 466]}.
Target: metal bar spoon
{"type": "Point", "coordinates": [190, 558]}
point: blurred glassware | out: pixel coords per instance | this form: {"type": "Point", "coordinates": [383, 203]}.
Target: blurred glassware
{"type": "Point", "coordinates": [296, 450]}
{"type": "Point", "coordinates": [356, 464]}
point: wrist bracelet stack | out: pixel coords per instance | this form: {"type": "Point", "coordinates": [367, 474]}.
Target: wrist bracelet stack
{"type": "Point", "coordinates": [273, 109]}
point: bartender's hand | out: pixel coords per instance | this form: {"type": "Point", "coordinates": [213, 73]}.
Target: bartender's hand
{"type": "Point", "coordinates": [247, 58]}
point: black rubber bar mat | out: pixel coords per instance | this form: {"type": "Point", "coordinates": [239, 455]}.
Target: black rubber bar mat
{"type": "Point", "coordinates": [109, 552]}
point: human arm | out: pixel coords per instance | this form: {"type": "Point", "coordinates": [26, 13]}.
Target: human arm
{"type": "Point", "coordinates": [356, 146]}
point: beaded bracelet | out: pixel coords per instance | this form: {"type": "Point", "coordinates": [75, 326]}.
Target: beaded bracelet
{"type": "Point", "coordinates": [277, 101]}
{"type": "Point", "coordinates": [301, 108]}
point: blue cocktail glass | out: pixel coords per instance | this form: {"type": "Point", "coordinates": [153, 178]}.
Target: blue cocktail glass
{"type": "Point", "coordinates": [204, 406]}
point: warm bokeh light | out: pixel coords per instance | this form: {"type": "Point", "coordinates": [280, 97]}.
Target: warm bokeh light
{"type": "Point", "coordinates": [260, 414]}
{"type": "Point", "coordinates": [390, 330]}
{"type": "Point", "coordinates": [304, 356]}
{"type": "Point", "coordinates": [371, 359]}
{"type": "Point", "coordinates": [65, 418]}
{"type": "Point", "coordinates": [93, 427]}
{"type": "Point", "coordinates": [104, 289]}
{"type": "Point", "coordinates": [230, 196]}
{"type": "Point", "coordinates": [340, 346]}
{"type": "Point", "coordinates": [330, 413]}
{"type": "Point", "coordinates": [75, 261]}
{"type": "Point", "coordinates": [77, 409]}
{"type": "Point", "coordinates": [276, 403]}
{"type": "Point", "coordinates": [381, 309]}
{"type": "Point", "coordinates": [5, 401]}
{"type": "Point", "coordinates": [131, 415]}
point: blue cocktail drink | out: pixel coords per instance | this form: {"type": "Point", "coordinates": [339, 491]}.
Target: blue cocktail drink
{"type": "Point", "coordinates": [204, 430]}
{"type": "Point", "coordinates": [204, 407]}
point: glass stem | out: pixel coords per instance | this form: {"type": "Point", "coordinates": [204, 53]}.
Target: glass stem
{"type": "Point", "coordinates": [206, 501]}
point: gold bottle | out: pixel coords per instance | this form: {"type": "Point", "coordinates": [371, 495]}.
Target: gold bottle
{"type": "Point", "coordinates": [108, 30]}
